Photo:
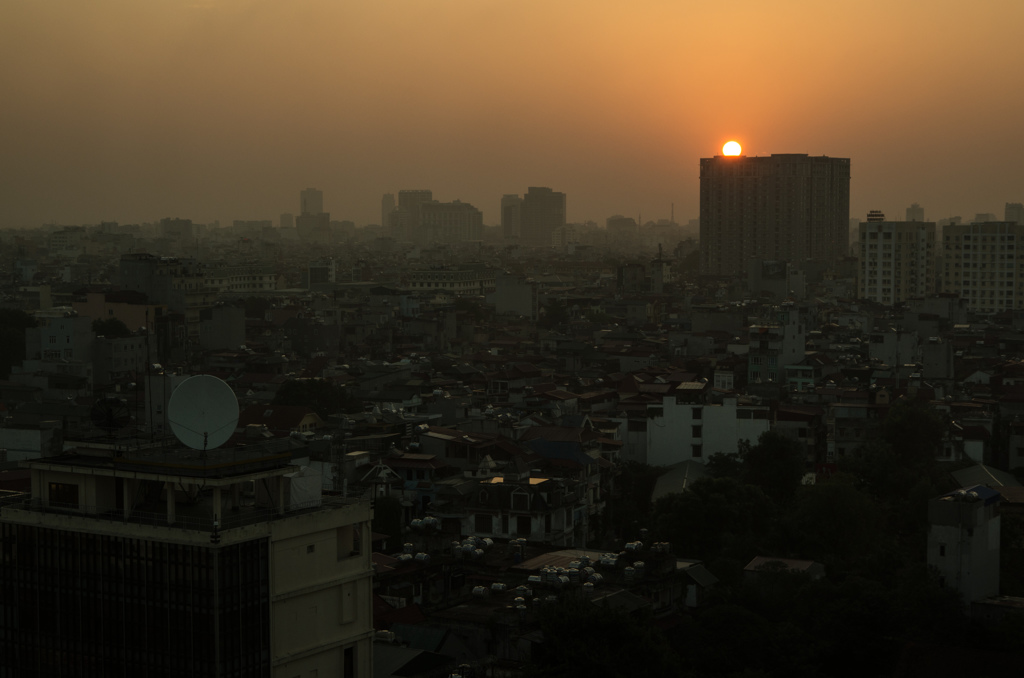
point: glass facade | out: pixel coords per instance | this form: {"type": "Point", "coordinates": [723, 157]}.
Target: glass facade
{"type": "Point", "coordinates": [82, 604]}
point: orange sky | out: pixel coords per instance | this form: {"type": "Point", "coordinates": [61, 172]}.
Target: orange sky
{"type": "Point", "coordinates": [134, 110]}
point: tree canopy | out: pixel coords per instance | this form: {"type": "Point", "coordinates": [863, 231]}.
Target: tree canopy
{"type": "Point", "coordinates": [13, 323]}
{"type": "Point", "coordinates": [113, 328]}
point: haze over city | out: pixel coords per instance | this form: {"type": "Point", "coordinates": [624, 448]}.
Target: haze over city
{"type": "Point", "coordinates": [223, 109]}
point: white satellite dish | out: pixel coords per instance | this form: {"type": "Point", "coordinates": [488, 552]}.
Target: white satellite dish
{"type": "Point", "coordinates": [203, 412]}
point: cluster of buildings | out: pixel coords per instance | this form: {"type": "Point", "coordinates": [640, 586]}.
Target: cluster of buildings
{"type": "Point", "coordinates": [488, 386]}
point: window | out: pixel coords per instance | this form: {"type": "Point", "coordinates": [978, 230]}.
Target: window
{"type": "Point", "coordinates": [697, 450]}
{"type": "Point", "coordinates": [484, 523]}
{"type": "Point", "coordinates": [523, 526]}
{"type": "Point", "coordinates": [698, 412]}
{"type": "Point", "coordinates": [696, 432]}
{"type": "Point", "coordinates": [64, 495]}
{"type": "Point", "coordinates": [942, 550]}
{"type": "Point", "coordinates": [311, 548]}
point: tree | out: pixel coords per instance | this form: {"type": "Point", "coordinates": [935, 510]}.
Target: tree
{"type": "Point", "coordinates": [112, 328]}
{"type": "Point", "coordinates": [13, 323]}
{"type": "Point", "coordinates": [776, 464]}
{"type": "Point", "coordinates": [256, 307]}
{"type": "Point", "coordinates": [914, 430]}
{"type": "Point", "coordinates": [586, 639]}
{"type": "Point", "coordinates": [716, 516]}
{"type": "Point", "coordinates": [320, 395]}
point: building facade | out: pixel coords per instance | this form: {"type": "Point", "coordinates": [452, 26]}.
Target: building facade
{"type": "Point", "coordinates": [459, 280]}
{"type": "Point", "coordinates": [541, 214]}
{"type": "Point", "coordinates": [311, 201]}
{"type": "Point", "coordinates": [787, 207]}
{"type": "Point", "coordinates": [510, 216]}
{"type": "Point", "coordinates": [449, 223]}
{"type": "Point", "coordinates": [152, 566]}
{"type": "Point", "coordinates": [984, 265]}
{"type": "Point", "coordinates": [896, 260]}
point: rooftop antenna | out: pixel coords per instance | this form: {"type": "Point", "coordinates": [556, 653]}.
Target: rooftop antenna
{"type": "Point", "coordinates": [203, 413]}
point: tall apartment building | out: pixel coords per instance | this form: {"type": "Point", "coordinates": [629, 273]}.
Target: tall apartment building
{"type": "Point", "coordinates": [311, 201]}
{"type": "Point", "coordinates": [387, 206]}
{"type": "Point", "coordinates": [450, 222]}
{"type": "Point", "coordinates": [541, 214]}
{"type": "Point", "coordinates": [896, 260]}
{"type": "Point", "coordinates": [1014, 212]}
{"type": "Point", "coordinates": [783, 207]}
{"type": "Point", "coordinates": [404, 222]}
{"type": "Point", "coordinates": [160, 562]}
{"type": "Point", "coordinates": [915, 213]}
{"type": "Point", "coordinates": [510, 216]}
{"type": "Point", "coordinates": [984, 264]}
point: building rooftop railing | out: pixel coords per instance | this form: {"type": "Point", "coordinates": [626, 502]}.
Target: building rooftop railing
{"type": "Point", "coordinates": [200, 518]}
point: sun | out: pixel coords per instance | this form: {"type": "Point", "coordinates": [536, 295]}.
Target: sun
{"type": "Point", "coordinates": [731, 148]}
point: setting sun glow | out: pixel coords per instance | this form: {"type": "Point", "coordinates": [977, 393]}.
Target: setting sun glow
{"type": "Point", "coordinates": [731, 148]}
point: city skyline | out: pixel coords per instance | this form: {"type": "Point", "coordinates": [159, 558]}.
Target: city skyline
{"type": "Point", "coordinates": [225, 109]}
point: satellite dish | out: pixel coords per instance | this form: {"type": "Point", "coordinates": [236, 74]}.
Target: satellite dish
{"type": "Point", "coordinates": [203, 412]}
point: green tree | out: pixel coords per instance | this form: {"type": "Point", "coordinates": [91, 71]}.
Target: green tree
{"type": "Point", "coordinates": [112, 328]}
{"type": "Point", "coordinates": [256, 307]}
{"type": "Point", "coordinates": [586, 639]}
{"type": "Point", "coordinates": [13, 323]}
{"type": "Point", "coordinates": [714, 517]}
{"type": "Point", "coordinates": [914, 430]}
{"type": "Point", "coordinates": [835, 523]}
{"type": "Point", "coordinates": [776, 464]}
{"type": "Point", "coordinates": [320, 395]}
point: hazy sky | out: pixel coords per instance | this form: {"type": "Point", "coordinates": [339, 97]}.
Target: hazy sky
{"type": "Point", "coordinates": [133, 110]}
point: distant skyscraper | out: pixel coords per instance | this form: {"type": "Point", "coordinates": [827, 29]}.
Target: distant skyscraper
{"type": "Point", "coordinates": [387, 206]}
{"type": "Point", "coordinates": [787, 207]}
{"type": "Point", "coordinates": [1014, 213]}
{"type": "Point", "coordinates": [915, 213]}
{"type": "Point", "coordinates": [510, 216]}
{"type": "Point", "coordinates": [287, 220]}
{"type": "Point", "coordinates": [896, 260]}
{"type": "Point", "coordinates": [406, 220]}
{"type": "Point", "coordinates": [450, 222]}
{"type": "Point", "coordinates": [311, 201]}
{"type": "Point", "coordinates": [541, 214]}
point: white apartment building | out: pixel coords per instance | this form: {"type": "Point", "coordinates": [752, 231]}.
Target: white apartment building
{"type": "Point", "coordinates": [983, 264]}
{"type": "Point", "coordinates": [896, 259]}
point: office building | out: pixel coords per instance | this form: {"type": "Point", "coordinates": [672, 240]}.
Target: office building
{"type": "Point", "coordinates": [314, 227]}
{"type": "Point", "coordinates": [387, 206]}
{"type": "Point", "coordinates": [161, 562]}
{"type": "Point", "coordinates": [984, 264]}
{"type": "Point", "coordinates": [311, 201]}
{"type": "Point", "coordinates": [915, 213]}
{"type": "Point", "coordinates": [1014, 213]}
{"type": "Point", "coordinates": [450, 222]}
{"type": "Point", "coordinates": [404, 222]}
{"type": "Point", "coordinates": [896, 260]}
{"type": "Point", "coordinates": [287, 220]}
{"type": "Point", "coordinates": [541, 214]}
{"type": "Point", "coordinates": [788, 207]}
{"type": "Point", "coordinates": [510, 219]}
